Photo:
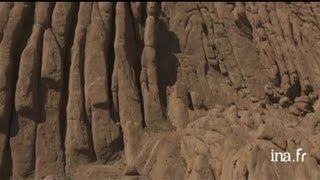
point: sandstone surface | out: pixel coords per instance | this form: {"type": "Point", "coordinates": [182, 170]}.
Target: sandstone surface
{"type": "Point", "coordinates": [159, 90]}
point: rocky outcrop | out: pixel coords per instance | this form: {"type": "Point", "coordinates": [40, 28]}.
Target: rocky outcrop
{"type": "Point", "coordinates": [105, 131]}
{"type": "Point", "coordinates": [27, 102]}
{"type": "Point", "coordinates": [10, 49]}
{"type": "Point", "coordinates": [50, 159]}
{"type": "Point", "coordinates": [154, 115]}
{"type": "Point", "coordinates": [158, 90]}
{"type": "Point", "coordinates": [124, 82]}
{"type": "Point", "coordinates": [78, 141]}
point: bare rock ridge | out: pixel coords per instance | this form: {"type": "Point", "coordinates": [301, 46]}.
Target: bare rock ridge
{"type": "Point", "coordinates": [27, 102]}
{"type": "Point", "coordinates": [78, 140]}
{"type": "Point", "coordinates": [153, 110]}
{"type": "Point", "coordinates": [158, 90]}
{"type": "Point", "coordinates": [9, 52]}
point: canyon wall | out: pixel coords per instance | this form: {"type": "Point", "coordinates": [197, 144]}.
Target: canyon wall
{"type": "Point", "coordinates": [158, 90]}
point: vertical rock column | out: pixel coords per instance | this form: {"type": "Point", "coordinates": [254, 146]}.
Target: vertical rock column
{"type": "Point", "coordinates": [153, 111]}
{"type": "Point", "coordinates": [105, 131]}
{"type": "Point", "coordinates": [23, 127]}
{"type": "Point", "coordinates": [78, 142]}
{"type": "Point", "coordinates": [124, 84]}
{"type": "Point", "coordinates": [49, 145]}
{"type": "Point", "coordinates": [136, 8]}
{"type": "Point", "coordinates": [177, 94]}
{"type": "Point", "coordinates": [5, 8]}
{"type": "Point", "coordinates": [12, 36]}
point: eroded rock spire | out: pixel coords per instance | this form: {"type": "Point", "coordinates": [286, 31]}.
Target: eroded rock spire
{"type": "Point", "coordinates": [124, 82]}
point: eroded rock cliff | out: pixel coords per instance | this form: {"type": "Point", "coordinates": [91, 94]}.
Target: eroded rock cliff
{"type": "Point", "coordinates": [170, 90]}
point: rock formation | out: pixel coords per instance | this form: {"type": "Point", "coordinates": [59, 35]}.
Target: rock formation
{"type": "Point", "coordinates": [158, 90]}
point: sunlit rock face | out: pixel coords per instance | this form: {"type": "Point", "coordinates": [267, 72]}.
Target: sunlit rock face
{"type": "Point", "coordinates": [159, 90]}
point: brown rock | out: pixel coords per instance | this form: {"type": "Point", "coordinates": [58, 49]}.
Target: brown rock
{"type": "Point", "coordinates": [128, 99]}
{"type": "Point", "coordinates": [131, 171]}
{"type": "Point", "coordinates": [158, 90]}
{"type": "Point", "coordinates": [303, 99]}
{"type": "Point", "coordinates": [153, 109]}
{"type": "Point", "coordinates": [12, 37]}
{"type": "Point", "coordinates": [50, 158]}
{"type": "Point", "coordinates": [105, 132]}
{"type": "Point", "coordinates": [23, 128]}
{"type": "Point", "coordinates": [4, 16]}
{"type": "Point", "coordinates": [49, 144]}
{"type": "Point", "coordinates": [78, 141]}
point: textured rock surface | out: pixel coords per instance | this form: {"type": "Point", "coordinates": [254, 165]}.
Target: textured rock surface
{"type": "Point", "coordinates": [158, 90]}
